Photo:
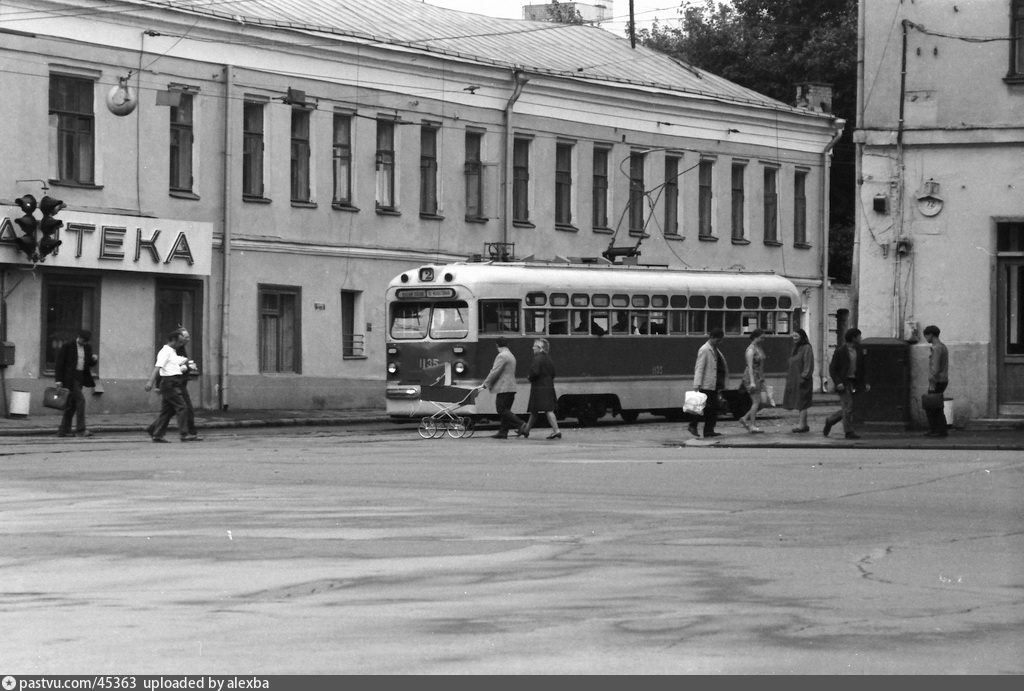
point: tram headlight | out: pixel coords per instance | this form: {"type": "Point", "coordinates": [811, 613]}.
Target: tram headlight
{"type": "Point", "coordinates": [459, 367]}
{"type": "Point", "coordinates": [392, 368]}
{"type": "Point", "coordinates": [392, 351]}
{"type": "Point", "coordinates": [458, 350]}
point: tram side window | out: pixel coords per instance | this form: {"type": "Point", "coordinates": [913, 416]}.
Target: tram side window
{"type": "Point", "coordinates": [409, 321]}
{"type": "Point", "coordinates": [677, 322]}
{"type": "Point", "coordinates": [733, 323]}
{"type": "Point", "coordinates": [499, 316]}
{"type": "Point", "coordinates": [599, 325]}
{"type": "Point", "coordinates": [620, 322]}
{"type": "Point", "coordinates": [536, 321]}
{"type": "Point", "coordinates": [658, 324]}
{"type": "Point", "coordinates": [559, 323]}
{"type": "Point", "coordinates": [698, 322]}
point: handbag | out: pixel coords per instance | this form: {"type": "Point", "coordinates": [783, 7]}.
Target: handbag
{"type": "Point", "coordinates": [694, 402]}
{"type": "Point", "coordinates": [56, 398]}
{"type": "Point", "coordinates": [932, 402]}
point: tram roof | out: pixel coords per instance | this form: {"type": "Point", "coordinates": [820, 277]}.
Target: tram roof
{"type": "Point", "coordinates": [600, 278]}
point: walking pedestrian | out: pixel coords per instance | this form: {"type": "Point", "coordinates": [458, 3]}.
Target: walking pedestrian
{"type": "Point", "coordinates": [543, 399]}
{"type": "Point", "coordinates": [753, 380]}
{"type": "Point", "coordinates": [501, 381]}
{"type": "Point", "coordinates": [709, 377]}
{"type": "Point", "coordinates": [799, 391]}
{"type": "Point", "coordinates": [847, 372]}
{"type": "Point", "coordinates": [938, 380]}
{"type": "Point", "coordinates": [73, 371]}
{"type": "Point", "coordinates": [172, 369]}
{"type": "Point", "coordinates": [193, 369]}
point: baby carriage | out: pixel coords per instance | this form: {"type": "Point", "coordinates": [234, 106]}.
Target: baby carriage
{"type": "Point", "coordinates": [447, 400]}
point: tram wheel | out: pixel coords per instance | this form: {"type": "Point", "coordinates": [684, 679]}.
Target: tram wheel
{"type": "Point", "coordinates": [629, 416]}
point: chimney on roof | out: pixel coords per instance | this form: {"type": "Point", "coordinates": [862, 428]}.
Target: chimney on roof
{"type": "Point", "coordinates": [814, 96]}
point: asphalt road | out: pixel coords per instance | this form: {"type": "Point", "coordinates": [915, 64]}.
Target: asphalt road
{"type": "Point", "coordinates": [616, 550]}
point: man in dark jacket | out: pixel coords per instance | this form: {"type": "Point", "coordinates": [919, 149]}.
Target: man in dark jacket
{"type": "Point", "coordinates": [73, 371]}
{"type": "Point", "coordinates": [847, 372]}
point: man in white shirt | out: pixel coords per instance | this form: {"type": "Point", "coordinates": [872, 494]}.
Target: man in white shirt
{"type": "Point", "coordinates": [173, 371]}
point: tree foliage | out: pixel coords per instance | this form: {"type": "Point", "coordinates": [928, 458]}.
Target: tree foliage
{"type": "Point", "coordinates": [770, 46]}
{"type": "Point", "coordinates": [563, 13]}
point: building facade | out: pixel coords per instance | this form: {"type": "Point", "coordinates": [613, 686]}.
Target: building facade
{"type": "Point", "coordinates": [941, 223]}
{"type": "Point", "coordinates": [258, 175]}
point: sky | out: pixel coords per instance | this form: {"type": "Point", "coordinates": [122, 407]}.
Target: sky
{"type": "Point", "coordinates": [645, 11]}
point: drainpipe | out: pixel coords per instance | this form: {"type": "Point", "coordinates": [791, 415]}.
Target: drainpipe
{"type": "Point", "coordinates": [858, 174]}
{"type": "Point", "coordinates": [229, 198]}
{"type": "Point", "coordinates": [826, 190]}
{"type": "Point", "coordinates": [519, 80]}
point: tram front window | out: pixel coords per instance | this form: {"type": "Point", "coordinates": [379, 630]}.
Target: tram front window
{"type": "Point", "coordinates": [449, 320]}
{"type": "Point", "coordinates": [409, 321]}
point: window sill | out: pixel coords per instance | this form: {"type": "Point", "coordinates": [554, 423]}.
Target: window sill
{"type": "Point", "coordinates": [674, 237]}
{"type": "Point", "coordinates": [78, 185]}
{"type": "Point", "coordinates": [431, 217]}
{"type": "Point", "coordinates": [255, 200]}
{"type": "Point", "coordinates": [566, 228]}
{"type": "Point", "coordinates": [342, 206]}
{"type": "Point", "coordinates": [388, 212]}
{"type": "Point", "coordinates": [802, 245]}
{"type": "Point", "coordinates": [740, 241]}
{"type": "Point", "coordinates": [522, 224]}
{"type": "Point", "coordinates": [1014, 79]}
{"type": "Point", "coordinates": [476, 219]}
{"type": "Point", "coordinates": [354, 357]}
{"type": "Point", "coordinates": [639, 234]}
{"type": "Point", "coordinates": [707, 238]}
{"type": "Point", "coordinates": [183, 194]}
{"type": "Point", "coordinates": [772, 243]}
{"type": "Point", "coordinates": [303, 205]}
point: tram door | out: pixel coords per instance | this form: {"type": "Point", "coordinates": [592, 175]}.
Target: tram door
{"type": "Point", "coordinates": [179, 305]}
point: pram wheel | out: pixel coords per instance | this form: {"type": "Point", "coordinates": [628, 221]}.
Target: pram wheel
{"type": "Point", "coordinates": [456, 428]}
{"type": "Point", "coordinates": [428, 428]}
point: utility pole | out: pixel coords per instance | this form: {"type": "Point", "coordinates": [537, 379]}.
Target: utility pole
{"type": "Point", "coordinates": [632, 27]}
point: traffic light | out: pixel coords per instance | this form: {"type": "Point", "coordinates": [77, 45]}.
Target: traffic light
{"type": "Point", "coordinates": [29, 225]}
{"type": "Point", "coordinates": [49, 225]}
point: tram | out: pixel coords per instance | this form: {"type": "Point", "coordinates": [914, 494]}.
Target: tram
{"type": "Point", "coordinates": [624, 338]}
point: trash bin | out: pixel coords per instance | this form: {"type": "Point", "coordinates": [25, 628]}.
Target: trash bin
{"type": "Point", "coordinates": [886, 398]}
{"type": "Point", "coordinates": [19, 403]}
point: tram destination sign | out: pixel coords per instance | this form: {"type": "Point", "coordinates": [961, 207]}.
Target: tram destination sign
{"type": "Point", "coordinates": [114, 242]}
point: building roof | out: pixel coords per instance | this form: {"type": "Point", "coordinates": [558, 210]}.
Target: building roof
{"type": "Point", "coordinates": [565, 50]}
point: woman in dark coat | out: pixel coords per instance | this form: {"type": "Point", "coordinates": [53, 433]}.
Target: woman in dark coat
{"type": "Point", "coordinates": [542, 389]}
{"type": "Point", "coordinates": [800, 379]}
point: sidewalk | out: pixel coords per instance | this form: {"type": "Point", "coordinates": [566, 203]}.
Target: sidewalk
{"type": "Point", "coordinates": [776, 423]}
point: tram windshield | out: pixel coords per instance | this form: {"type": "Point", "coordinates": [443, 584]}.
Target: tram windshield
{"type": "Point", "coordinates": [439, 320]}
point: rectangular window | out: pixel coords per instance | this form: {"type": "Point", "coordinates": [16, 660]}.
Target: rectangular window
{"type": "Point", "coordinates": [428, 170]}
{"type": "Point", "coordinates": [385, 162]}
{"type": "Point", "coordinates": [182, 138]}
{"type": "Point", "coordinates": [705, 199]}
{"type": "Point", "coordinates": [300, 155]}
{"type": "Point", "coordinates": [671, 195]}
{"type": "Point", "coordinates": [800, 208]}
{"type": "Point", "coordinates": [342, 156]}
{"type": "Point", "coordinates": [73, 123]}
{"type": "Point", "coordinates": [499, 316]}
{"type": "Point", "coordinates": [600, 206]}
{"type": "Point", "coordinates": [70, 305]}
{"type": "Point", "coordinates": [738, 201]}
{"type": "Point", "coordinates": [563, 184]}
{"type": "Point", "coordinates": [637, 188]}
{"type": "Point", "coordinates": [771, 206]}
{"type": "Point", "coordinates": [279, 329]}
{"type": "Point", "coordinates": [474, 176]}
{"type": "Point", "coordinates": [521, 180]}
{"type": "Point", "coordinates": [252, 149]}
{"type": "Point", "coordinates": [1017, 39]}
{"type": "Point", "coordinates": [352, 338]}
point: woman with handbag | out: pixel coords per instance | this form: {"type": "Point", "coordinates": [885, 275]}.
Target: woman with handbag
{"type": "Point", "coordinates": [753, 380]}
{"type": "Point", "coordinates": [543, 400]}
{"type": "Point", "coordinates": [800, 380]}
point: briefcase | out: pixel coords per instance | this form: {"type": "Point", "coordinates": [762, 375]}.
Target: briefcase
{"type": "Point", "coordinates": [932, 402]}
{"type": "Point", "coordinates": [56, 398]}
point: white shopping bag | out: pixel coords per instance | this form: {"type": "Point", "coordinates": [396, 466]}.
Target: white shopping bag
{"type": "Point", "coordinates": [694, 402]}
